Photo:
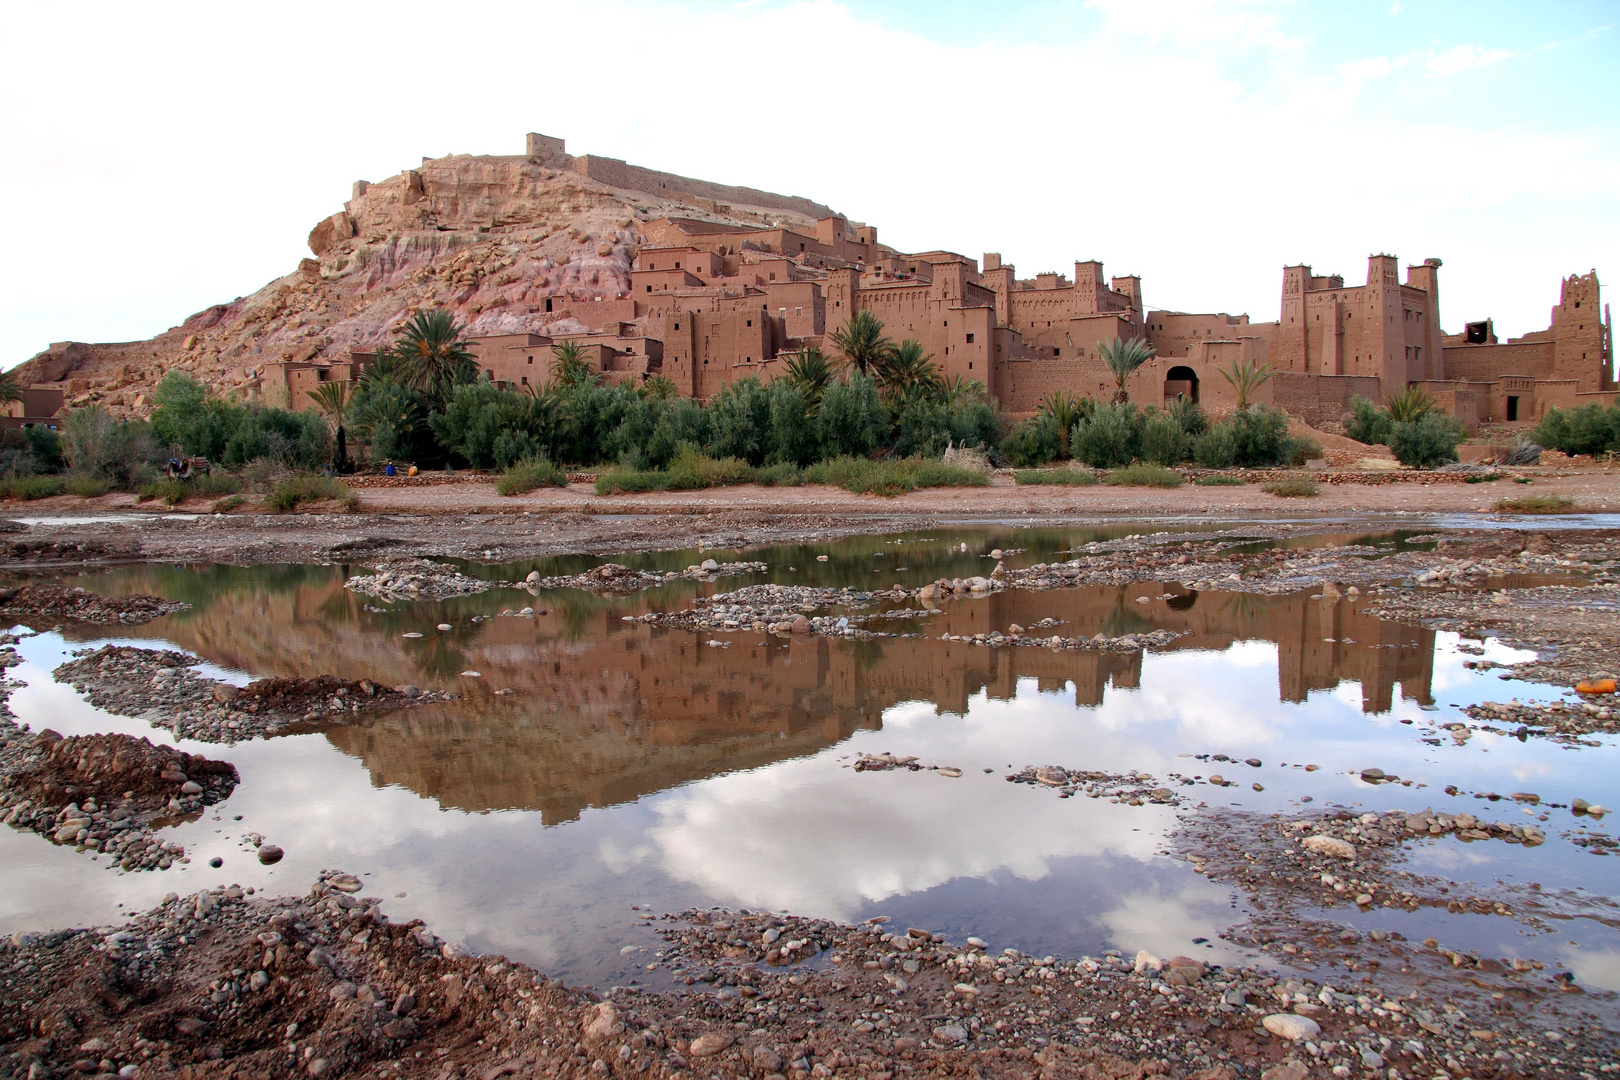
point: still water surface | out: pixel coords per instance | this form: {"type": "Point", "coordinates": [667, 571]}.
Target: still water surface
{"type": "Point", "coordinates": [634, 766]}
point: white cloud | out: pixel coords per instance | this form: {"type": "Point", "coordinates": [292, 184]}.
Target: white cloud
{"type": "Point", "coordinates": [1460, 58]}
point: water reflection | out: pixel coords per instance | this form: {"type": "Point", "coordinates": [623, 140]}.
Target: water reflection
{"type": "Point", "coordinates": [603, 711]}
{"type": "Point", "coordinates": [632, 765]}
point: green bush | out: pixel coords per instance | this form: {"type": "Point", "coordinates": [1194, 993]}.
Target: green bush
{"type": "Point", "coordinates": [172, 492]}
{"type": "Point", "coordinates": [1260, 433]}
{"type": "Point", "coordinates": [226, 505]}
{"type": "Point", "coordinates": [1424, 443]}
{"type": "Point", "coordinates": [1294, 487]}
{"type": "Point", "coordinates": [1366, 422]}
{"type": "Point", "coordinates": [290, 494]}
{"type": "Point", "coordinates": [88, 487]}
{"type": "Point", "coordinates": [740, 422]}
{"type": "Point", "coordinates": [1059, 477]}
{"type": "Point", "coordinates": [1536, 504]}
{"type": "Point", "coordinates": [1220, 481]}
{"type": "Point", "coordinates": [28, 488]}
{"type": "Point", "coordinates": [692, 471]}
{"type": "Point", "coordinates": [863, 476]}
{"type": "Point", "coordinates": [628, 481]}
{"type": "Point", "coordinates": [1585, 429]}
{"type": "Point", "coordinates": [852, 419]}
{"type": "Point", "coordinates": [793, 429]}
{"type": "Point", "coordinates": [1190, 415]}
{"type": "Point", "coordinates": [781, 474]}
{"type": "Point", "coordinates": [1033, 442]}
{"type": "Point", "coordinates": [1108, 438]}
{"type": "Point", "coordinates": [1216, 448]}
{"type": "Point", "coordinates": [96, 443]}
{"type": "Point", "coordinates": [1144, 474]}
{"type": "Point", "coordinates": [1163, 440]}
{"type": "Point", "coordinates": [528, 474]}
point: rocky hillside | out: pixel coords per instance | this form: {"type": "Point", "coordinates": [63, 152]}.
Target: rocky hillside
{"type": "Point", "coordinates": [490, 238]}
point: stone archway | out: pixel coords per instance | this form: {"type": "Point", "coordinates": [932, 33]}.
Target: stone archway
{"type": "Point", "coordinates": [1180, 381]}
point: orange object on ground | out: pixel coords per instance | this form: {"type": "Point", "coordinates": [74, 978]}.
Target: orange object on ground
{"type": "Point", "coordinates": [1595, 686]}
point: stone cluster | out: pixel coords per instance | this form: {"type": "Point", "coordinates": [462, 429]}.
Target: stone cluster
{"type": "Point", "coordinates": [161, 687]}
{"type": "Point", "coordinates": [615, 578]}
{"type": "Point", "coordinates": [1339, 857]}
{"type": "Point", "coordinates": [420, 579]}
{"type": "Point", "coordinates": [1016, 635]}
{"type": "Point", "coordinates": [106, 793]}
{"type": "Point", "coordinates": [783, 609]}
{"type": "Point", "coordinates": [54, 602]}
{"type": "Point", "coordinates": [1554, 718]}
{"type": "Point", "coordinates": [1134, 789]}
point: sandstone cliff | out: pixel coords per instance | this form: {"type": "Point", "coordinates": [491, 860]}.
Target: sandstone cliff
{"type": "Point", "coordinates": [489, 238]}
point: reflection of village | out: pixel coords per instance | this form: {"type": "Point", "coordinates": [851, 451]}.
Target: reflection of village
{"type": "Point", "coordinates": [603, 711]}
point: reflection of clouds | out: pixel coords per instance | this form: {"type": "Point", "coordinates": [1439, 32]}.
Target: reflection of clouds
{"type": "Point", "coordinates": [1164, 921]}
{"type": "Point", "coordinates": [1595, 967]}
{"type": "Point", "coordinates": [812, 839]}
{"type": "Point", "coordinates": [619, 857]}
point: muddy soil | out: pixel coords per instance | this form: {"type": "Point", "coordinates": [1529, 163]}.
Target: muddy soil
{"type": "Point", "coordinates": [159, 685]}
{"type": "Point", "coordinates": [43, 604]}
{"type": "Point", "coordinates": [228, 984]}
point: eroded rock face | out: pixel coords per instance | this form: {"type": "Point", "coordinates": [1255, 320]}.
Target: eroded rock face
{"type": "Point", "coordinates": [489, 238]}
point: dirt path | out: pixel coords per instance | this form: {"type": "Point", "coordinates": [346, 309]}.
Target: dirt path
{"type": "Point", "coordinates": [1594, 488]}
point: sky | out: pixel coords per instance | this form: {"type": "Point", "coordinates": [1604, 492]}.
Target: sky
{"type": "Point", "coordinates": [156, 159]}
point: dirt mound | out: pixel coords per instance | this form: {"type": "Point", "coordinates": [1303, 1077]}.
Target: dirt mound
{"type": "Point", "coordinates": [106, 793]}
{"type": "Point", "coordinates": [119, 768]}
{"type": "Point", "coordinates": [81, 605]}
{"type": "Point", "coordinates": [161, 687]}
{"type": "Point", "coordinates": [320, 694]}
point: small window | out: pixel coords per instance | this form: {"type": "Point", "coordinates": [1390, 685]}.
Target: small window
{"type": "Point", "coordinates": [525, 380]}
{"type": "Point", "coordinates": [773, 275]}
{"type": "Point", "coordinates": [970, 339]}
{"type": "Point", "coordinates": [548, 303]}
{"type": "Point", "coordinates": [677, 264]}
{"type": "Point", "coordinates": [531, 359]}
{"type": "Point", "coordinates": [1056, 351]}
{"type": "Point", "coordinates": [970, 365]}
{"type": "Point", "coordinates": [649, 288]}
{"type": "Point", "coordinates": [750, 322]}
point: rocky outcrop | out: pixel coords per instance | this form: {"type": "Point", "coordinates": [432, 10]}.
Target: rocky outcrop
{"type": "Point", "coordinates": [507, 244]}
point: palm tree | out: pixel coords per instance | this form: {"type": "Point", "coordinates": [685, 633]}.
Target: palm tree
{"type": "Point", "coordinates": [1410, 405]}
{"type": "Point", "coordinates": [332, 398]}
{"type": "Point", "coordinates": [569, 366]}
{"type": "Point", "coordinates": [1123, 357]}
{"type": "Point", "coordinates": [1066, 410]}
{"type": "Point", "coordinates": [958, 391]}
{"type": "Point", "coordinates": [432, 356]}
{"type": "Point", "coordinates": [906, 369]}
{"type": "Point", "coordinates": [861, 342]}
{"type": "Point", "coordinates": [661, 387]}
{"type": "Point", "coordinates": [1246, 378]}
{"type": "Point", "coordinates": [810, 372]}
{"type": "Point", "coordinates": [11, 389]}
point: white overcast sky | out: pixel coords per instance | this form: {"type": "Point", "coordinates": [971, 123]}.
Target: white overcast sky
{"type": "Point", "coordinates": [158, 158]}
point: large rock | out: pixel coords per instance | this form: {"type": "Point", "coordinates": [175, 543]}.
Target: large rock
{"type": "Point", "coordinates": [1292, 1026]}
{"type": "Point", "coordinates": [602, 1021]}
{"type": "Point", "coordinates": [1329, 845]}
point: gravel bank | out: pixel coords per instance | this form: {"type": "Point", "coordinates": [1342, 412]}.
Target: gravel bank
{"type": "Point", "coordinates": [159, 686]}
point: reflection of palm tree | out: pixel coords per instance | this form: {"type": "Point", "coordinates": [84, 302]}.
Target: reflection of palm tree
{"type": "Point", "coordinates": [1123, 619]}
{"type": "Point", "coordinates": [1244, 607]}
{"type": "Point", "coordinates": [866, 654]}
{"type": "Point", "coordinates": [340, 606]}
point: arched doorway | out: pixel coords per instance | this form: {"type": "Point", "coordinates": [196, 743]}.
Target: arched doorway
{"type": "Point", "coordinates": [1180, 382]}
